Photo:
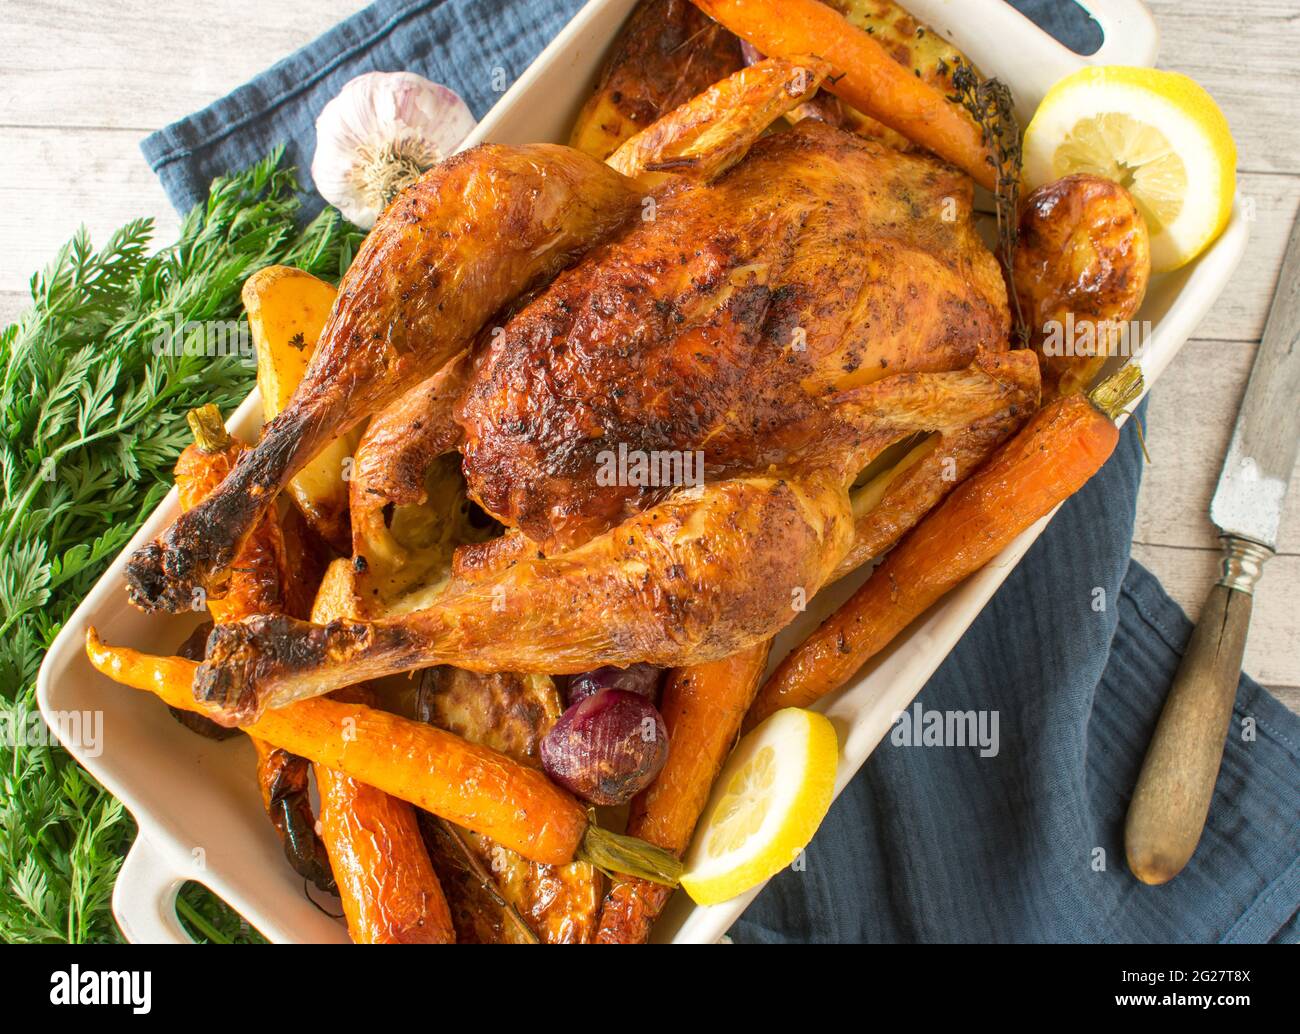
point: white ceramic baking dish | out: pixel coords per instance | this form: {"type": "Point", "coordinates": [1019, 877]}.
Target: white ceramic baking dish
{"type": "Point", "coordinates": [196, 802]}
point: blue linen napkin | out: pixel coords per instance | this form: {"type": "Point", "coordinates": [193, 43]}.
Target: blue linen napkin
{"type": "Point", "coordinates": [927, 843]}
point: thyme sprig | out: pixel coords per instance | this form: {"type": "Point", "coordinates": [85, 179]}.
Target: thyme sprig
{"type": "Point", "coordinates": [92, 417]}
{"type": "Point", "coordinates": [990, 103]}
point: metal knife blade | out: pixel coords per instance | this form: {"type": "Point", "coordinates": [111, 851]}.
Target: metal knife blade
{"type": "Point", "coordinates": [1248, 501]}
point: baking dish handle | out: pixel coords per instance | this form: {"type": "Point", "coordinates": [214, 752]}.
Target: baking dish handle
{"type": "Point", "coordinates": [1129, 33]}
{"type": "Point", "coordinates": [144, 897]}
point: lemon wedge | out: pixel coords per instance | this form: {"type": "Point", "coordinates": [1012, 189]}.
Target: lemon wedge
{"type": "Point", "coordinates": [769, 800]}
{"type": "Point", "coordinates": [1156, 133]}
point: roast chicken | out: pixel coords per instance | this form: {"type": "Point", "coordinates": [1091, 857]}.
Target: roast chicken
{"type": "Point", "coordinates": [774, 313]}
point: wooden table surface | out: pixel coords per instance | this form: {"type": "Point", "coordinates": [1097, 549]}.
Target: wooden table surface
{"type": "Point", "coordinates": [81, 84]}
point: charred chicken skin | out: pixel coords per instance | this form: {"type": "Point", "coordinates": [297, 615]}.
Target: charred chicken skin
{"type": "Point", "coordinates": [730, 325]}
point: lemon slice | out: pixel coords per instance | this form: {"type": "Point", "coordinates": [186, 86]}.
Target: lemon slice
{"type": "Point", "coordinates": [768, 802]}
{"type": "Point", "coordinates": [1156, 133]}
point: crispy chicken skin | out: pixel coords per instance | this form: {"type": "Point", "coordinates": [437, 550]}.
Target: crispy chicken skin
{"type": "Point", "coordinates": [470, 235]}
{"type": "Point", "coordinates": [700, 576]}
{"type": "Point", "coordinates": [821, 262]}
{"type": "Point", "coordinates": [475, 232]}
{"type": "Point", "coordinates": [393, 459]}
{"type": "Point", "coordinates": [786, 318]}
{"type": "Point", "coordinates": [401, 442]}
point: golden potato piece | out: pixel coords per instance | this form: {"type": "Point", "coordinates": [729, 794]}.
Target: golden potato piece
{"type": "Point", "coordinates": [286, 310]}
{"type": "Point", "coordinates": [1081, 273]}
{"type": "Point", "coordinates": [911, 43]}
{"type": "Point", "coordinates": [337, 596]}
{"type": "Point", "coordinates": [667, 52]}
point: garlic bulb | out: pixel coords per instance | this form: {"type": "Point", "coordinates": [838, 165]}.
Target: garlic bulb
{"type": "Point", "coordinates": [378, 135]}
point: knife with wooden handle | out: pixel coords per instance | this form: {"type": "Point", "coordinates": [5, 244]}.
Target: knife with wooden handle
{"type": "Point", "coordinates": [1172, 799]}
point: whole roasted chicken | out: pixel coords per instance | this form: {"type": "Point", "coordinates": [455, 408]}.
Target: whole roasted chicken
{"type": "Point", "coordinates": [670, 377]}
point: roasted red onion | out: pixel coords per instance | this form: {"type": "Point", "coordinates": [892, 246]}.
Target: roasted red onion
{"type": "Point", "coordinates": [606, 747]}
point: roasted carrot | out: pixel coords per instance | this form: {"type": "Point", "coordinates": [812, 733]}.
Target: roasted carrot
{"type": "Point", "coordinates": [258, 582]}
{"type": "Point", "coordinates": [871, 80]}
{"type": "Point", "coordinates": [713, 131]}
{"type": "Point", "coordinates": [666, 53]}
{"type": "Point", "coordinates": [1056, 452]}
{"type": "Point", "coordinates": [369, 848]}
{"type": "Point", "coordinates": [467, 784]}
{"type": "Point", "coordinates": [702, 707]}
{"type": "Point", "coordinates": [257, 575]}
{"type": "Point", "coordinates": [386, 881]}
{"type": "Point", "coordinates": [387, 885]}
{"type": "Point", "coordinates": [286, 796]}
{"type": "Point", "coordinates": [470, 785]}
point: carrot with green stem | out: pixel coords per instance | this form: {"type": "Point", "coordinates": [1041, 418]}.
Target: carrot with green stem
{"type": "Point", "coordinates": [465, 783]}
{"type": "Point", "coordinates": [1055, 453]}
{"type": "Point", "coordinates": [870, 80]}
{"type": "Point", "coordinates": [258, 585]}
{"type": "Point", "coordinates": [702, 707]}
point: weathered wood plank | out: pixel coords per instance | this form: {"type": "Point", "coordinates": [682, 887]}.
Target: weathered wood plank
{"type": "Point", "coordinates": [1272, 202]}
{"type": "Point", "coordinates": [139, 64]}
{"type": "Point", "coordinates": [1289, 695]}
{"type": "Point", "coordinates": [95, 178]}
{"type": "Point", "coordinates": [12, 303]}
{"type": "Point", "coordinates": [1245, 55]}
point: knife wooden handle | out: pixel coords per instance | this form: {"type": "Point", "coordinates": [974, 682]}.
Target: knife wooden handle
{"type": "Point", "coordinates": [1167, 813]}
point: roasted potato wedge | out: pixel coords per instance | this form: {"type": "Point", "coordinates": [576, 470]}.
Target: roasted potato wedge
{"type": "Point", "coordinates": [1081, 273]}
{"type": "Point", "coordinates": [559, 904]}
{"type": "Point", "coordinates": [286, 310]}
{"type": "Point", "coordinates": [909, 42]}
{"type": "Point", "coordinates": [666, 54]}
{"type": "Point", "coordinates": [337, 595]}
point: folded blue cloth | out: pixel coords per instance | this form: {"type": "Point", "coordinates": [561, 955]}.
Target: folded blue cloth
{"type": "Point", "coordinates": [927, 843]}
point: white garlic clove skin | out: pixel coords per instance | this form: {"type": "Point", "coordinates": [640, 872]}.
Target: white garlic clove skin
{"type": "Point", "coordinates": [378, 135]}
